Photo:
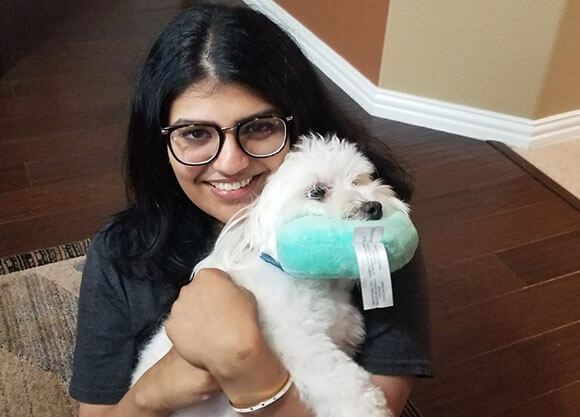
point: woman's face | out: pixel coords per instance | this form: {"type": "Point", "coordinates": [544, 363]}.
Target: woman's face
{"type": "Point", "coordinates": [233, 179]}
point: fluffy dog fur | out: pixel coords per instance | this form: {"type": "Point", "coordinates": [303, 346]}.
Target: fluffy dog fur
{"type": "Point", "coordinates": [310, 324]}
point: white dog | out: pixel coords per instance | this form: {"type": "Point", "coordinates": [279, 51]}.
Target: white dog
{"type": "Point", "coordinates": [310, 324]}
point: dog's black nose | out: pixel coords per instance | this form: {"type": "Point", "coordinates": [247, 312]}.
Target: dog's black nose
{"type": "Point", "coordinates": [373, 210]}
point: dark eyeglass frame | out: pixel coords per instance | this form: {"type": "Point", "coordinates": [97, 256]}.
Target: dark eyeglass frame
{"type": "Point", "coordinates": [166, 131]}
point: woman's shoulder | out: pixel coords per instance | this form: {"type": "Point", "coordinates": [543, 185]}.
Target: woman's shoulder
{"type": "Point", "coordinates": [99, 270]}
{"type": "Point", "coordinates": [97, 246]}
{"type": "Point", "coordinates": [122, 285]}
{"type": "Point", "coordinates": [100, 251]}
{"type": "Point", "coordinates": [114, 246]}
{"type": "Point", "coordinates": [104, 267]}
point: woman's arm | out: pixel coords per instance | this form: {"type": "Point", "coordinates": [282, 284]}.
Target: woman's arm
{"type": "Point", "coordinates": [396, 389]}
{"type": "Point", "coordinates": [244, 382]}
{"type": "Point", "coordinates": [221, 334]}
{"type": "Point", "coordinates": [170, 384]}
{"type": "Point", "coordinates": [234, 350]}
{"type": "Point", "coordinates": [234, 353]}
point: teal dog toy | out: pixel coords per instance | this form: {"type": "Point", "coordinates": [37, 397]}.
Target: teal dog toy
{"type": "Point", "coordinates": [321, 248]}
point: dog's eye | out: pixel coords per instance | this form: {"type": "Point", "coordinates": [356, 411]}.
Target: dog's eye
{"type": "Point", "coordinates": [317, 193]}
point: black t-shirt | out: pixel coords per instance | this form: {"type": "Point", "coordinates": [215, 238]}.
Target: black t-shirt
{"type": "Point", "coordinates": [117, 314]}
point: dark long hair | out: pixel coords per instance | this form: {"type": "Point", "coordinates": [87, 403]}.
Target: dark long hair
{"type": "Point", "coordinates": [163, 234]}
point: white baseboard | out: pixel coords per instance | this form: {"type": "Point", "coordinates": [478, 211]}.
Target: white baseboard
{"type": "Point", "coordinates": [420, 111]}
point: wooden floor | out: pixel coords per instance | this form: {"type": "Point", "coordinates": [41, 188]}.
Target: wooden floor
{"type": "Point", "coordinates": [502, 250]}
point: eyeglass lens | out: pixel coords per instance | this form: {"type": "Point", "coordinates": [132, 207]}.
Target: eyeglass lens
{"type": "Point", "coordinates": [200, 143]}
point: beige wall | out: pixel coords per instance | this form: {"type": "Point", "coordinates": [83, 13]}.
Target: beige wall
{"type": "Point", "coordinates": [516, 57]}
{"type": "Point", "coordinates": [561, 89]}
{"type": "Point", "coordinates": [356, 30]}
{"type": "Point", "coordinates": [486, 54]}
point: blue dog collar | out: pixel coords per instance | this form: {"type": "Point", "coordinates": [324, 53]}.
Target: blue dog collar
{"type": "Point", "coordinates": [268, 259]}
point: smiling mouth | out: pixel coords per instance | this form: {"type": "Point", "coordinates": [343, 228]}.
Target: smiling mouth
{"type": "Point", "coordinates": [231, 186]}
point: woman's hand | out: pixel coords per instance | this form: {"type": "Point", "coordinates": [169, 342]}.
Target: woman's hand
{"type": "Point", "coordinates": [213, 322]}
{"type": "Point", "coordinates": [173, 383]}
{"type": "Point", "coordinates": [214, 326]}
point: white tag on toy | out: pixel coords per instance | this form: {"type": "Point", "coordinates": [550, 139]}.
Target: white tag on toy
{"type": "Point", "coordinates": [373, 265]}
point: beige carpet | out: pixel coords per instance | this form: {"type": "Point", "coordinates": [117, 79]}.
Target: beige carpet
{"type": "Point", "coordinates": [37, 331]}
{"type": "Point", "coordinates": [559, 161]}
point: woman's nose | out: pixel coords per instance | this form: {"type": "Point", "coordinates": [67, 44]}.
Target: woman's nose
{"type": "Point", "coordinates": [232, 159]}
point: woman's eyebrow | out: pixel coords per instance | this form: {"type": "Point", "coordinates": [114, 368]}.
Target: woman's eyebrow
{"type": "Point", "coordinates": [185, 121]}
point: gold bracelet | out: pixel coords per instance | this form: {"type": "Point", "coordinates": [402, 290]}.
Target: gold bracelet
{"type": "Point", "coordinates": [285, 387]}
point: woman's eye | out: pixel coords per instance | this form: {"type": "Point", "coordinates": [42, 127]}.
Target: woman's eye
{"type": "Point", "coordinates": [317, 193]}
{"type": "Point", "coordinates": [258, 129]}
{"type": "Point", "coordinates": [196, 134]}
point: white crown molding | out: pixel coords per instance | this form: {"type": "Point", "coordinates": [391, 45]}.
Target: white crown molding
{"type": "Point", "coordinates": [420, 111]}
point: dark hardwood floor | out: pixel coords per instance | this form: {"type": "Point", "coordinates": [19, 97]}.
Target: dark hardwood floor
{"type": "Point", "coordinates": [502, 250]}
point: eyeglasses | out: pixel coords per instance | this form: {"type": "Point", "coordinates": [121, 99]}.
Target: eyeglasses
{"type": "Point", "coordinates": [200, 143]}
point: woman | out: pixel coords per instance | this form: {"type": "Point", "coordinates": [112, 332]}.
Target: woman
{"type": "Point", "coordinates": [223, 67]}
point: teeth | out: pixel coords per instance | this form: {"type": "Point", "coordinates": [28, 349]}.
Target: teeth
{"type": "Point", "coordinates": [230, 186]}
